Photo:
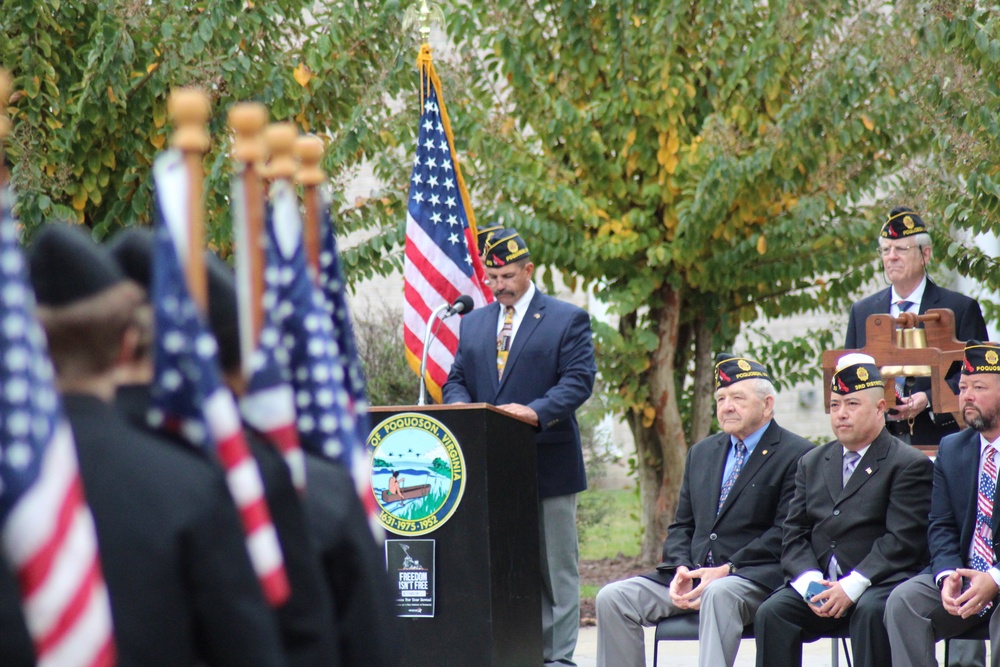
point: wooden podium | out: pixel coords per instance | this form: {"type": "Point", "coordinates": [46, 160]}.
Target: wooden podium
{"type": "Point", "coordinates": [487, 580]}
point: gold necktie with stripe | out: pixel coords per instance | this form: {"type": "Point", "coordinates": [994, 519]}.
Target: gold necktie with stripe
{"type": "Point", "coordinates": [504, 339]}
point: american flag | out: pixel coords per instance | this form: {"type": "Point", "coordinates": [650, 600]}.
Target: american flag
{"type": "Point", "coordinates": [188, 397]}
{"type": "Point", "coordinates": [46, 528]}
{"type": "Point", "coordinates": [269, 402]}
{"type": "Point", "coordinates": [326, 418]}
{"type": "Point", "coordinates": [441, 263]}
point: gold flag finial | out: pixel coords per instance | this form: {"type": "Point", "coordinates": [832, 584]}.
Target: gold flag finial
{"type": "Point", "coordinates": [424, 16]}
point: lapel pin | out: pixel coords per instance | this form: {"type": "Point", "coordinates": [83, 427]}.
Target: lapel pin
{"type": "Point", "coordinates": [764, 453]}
{"type": "Point", "coordinates": [868, 470]}
{"type": "Point", "coordinates": [538, 316]}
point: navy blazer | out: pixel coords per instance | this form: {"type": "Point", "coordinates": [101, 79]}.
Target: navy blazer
{"type": "Point", "coordinates": [953, 502]}
{"type": "Point", "coordinates": [747, 530]}
{"type": "Point", "coordinates": [550, 369]}
{"type": "Point", "coordinates": [969, 325]}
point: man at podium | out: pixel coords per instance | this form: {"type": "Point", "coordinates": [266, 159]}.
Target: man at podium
{"type": "Point", "coordinates": [532, 355]}
{"type": "Point", "coordinates": [905, 251]}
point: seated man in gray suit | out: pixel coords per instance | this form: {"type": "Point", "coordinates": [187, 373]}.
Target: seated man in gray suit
{"type": "Point", "coordinates": [721, 556]}
{"type": "Point", "coordinates": [856, 527]}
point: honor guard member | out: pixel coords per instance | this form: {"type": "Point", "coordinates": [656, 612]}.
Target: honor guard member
{"type": "Point", "coordinates": [856, 528]}
{"type": "Point", "coordinates": [958, 592]}
{"type": "Point", "coordinates": [181, 585]}
{"type": "Point", "coordinates": [722, 554]}
{"type": "Point", "coordinates": [532, 355]}
{"type": "Point", "coordinates": [350, 567]}
{"type": "Point", "coordinates": [904, 247]}
{"type": "Point", "coordinates": [304, 620]}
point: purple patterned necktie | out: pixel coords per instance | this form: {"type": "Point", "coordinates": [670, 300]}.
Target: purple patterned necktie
{"type": "Point", "coordinates": [503, 340]}
{"type": "Point", "coordinates": [741, 455]}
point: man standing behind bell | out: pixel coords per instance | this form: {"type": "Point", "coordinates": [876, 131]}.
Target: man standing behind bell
{"type": "Point", "coordinates": [904, 247]}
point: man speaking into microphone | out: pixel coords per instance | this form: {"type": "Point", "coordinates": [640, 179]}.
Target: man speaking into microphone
{"type": "Point", "coordinates": [532, 355]}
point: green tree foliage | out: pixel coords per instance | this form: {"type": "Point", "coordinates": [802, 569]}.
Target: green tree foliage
{"type": "Point", "coordinates": [698, 166]}
{"type": "Point", "coordinates": [92, 80]}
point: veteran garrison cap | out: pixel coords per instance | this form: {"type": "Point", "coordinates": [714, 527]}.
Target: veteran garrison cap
{"type": "Point", "coordinates": [484, 235]}
{"type": "Point", "coordinates": [505, 247]}
{"type": "Point", "coordinates": [68, 266]}
{"type": "Point", "coordinates": [981, 358]}
{"type": "Point", "coordinates": [901, 223]}
{"type": "Point", "coordinates": [132, 248]}
{"type": "Point", "coordinates": [855, 372]}
{"type": "Point", "coordinates": [730, 369]}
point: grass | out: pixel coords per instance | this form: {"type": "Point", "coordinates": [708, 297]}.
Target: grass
{"type": "Point", "coordinates": [608, 523]}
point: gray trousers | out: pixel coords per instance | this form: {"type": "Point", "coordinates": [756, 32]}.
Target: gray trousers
{"type": "Point", "coordinates": [624, 607]}
{"type": "Point", "coordinates": [916, 619]}
{"type": "Point", "coordinates": [560, 578]}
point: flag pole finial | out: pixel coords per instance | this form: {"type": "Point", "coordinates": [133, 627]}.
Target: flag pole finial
{"type": "Point", "coordinates": [424, 16]}
{"type": "Point", "coordinates": [248, 120]}
{"type": "Point", "coordinates": [309, 149]}
{"type": "Point", "coordinates": [280, 139]}
{"type": "Point", "coordinates": [189, 109]}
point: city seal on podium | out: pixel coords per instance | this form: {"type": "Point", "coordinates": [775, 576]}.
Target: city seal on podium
{"type": "Point", "coordinates": [417, 473]}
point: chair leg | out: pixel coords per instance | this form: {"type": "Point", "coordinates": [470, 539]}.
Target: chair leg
{"type": "Point", "coordinates": [834, 655]}
{"type": "Point", "coordinates": [656, 652]}
{"type": "Point", "coordinates": [847, 653]}
{"type": "Point", "coordinates": [947, 645]}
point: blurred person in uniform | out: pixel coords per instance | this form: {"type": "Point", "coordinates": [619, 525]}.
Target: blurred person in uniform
{"type": "Point", "coordinates": [180, 582]}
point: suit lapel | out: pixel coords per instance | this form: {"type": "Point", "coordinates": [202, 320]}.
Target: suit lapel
{"type": "Point", "coordinates": [488, 346]}
{"type": "Point", "coordinates": [867, 467]}
{"type": "Point", "coordinates": [930, 298]}
{"type": "Point", "coordinates": [529, 323]}
{"type": "Point", "coordinates": [762, 453]}
{"type": "Point", "coordinates": [833, 471]}
{"type": "Point", "coordinates": [717, 469]}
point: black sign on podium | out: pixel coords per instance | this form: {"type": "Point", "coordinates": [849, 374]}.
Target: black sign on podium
{"type": "Point", "coordinates": [463, 476]}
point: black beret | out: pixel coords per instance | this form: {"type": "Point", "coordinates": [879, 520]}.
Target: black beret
{"type": "Point", "coordinates": [67, 265]}
{"type": "Point", "coordinates": [132, 248]}
{"type": "Point", "coordinates": [504, 247]}
{"type": "Point", "coordinates": [981, 358]}
{"type": "Point", "coordinates": [902, 222]}
{"type": "Point", "coordinates": [855, 372]}
{"type": "Point", "coordinates": [730, 369]}
{"type": "Point", "coordinates": [223, 315]}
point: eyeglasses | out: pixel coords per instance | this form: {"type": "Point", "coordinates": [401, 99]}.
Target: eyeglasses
{"type": "Point", "coordinates": [885, 251]}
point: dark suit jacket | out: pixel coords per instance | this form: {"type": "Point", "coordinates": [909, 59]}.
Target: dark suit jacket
{"type": "Point", "coordinates": [550, 369]}
{"type": "Point", "coordinates": [876, 525]}
{"type": "Point", "coordinates": [367, 628]}
{"type": "Point", "coordinates": [747, 531]}
{"type": "Point", "coordinates": [173, 554]}
{"type": "Point", "coordinates": [969, 324]}
{"type": "Point", "coordinates": [16, 649]}
{"type": "Point", "coordinates": [304, 621]}
{"type": "Point", "coordinates": [953, 502]}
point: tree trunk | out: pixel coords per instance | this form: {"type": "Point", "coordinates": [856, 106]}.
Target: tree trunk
{"type": "Point", "coordinates": [662, 447]}
{"type": "Point", "coordinates": [703, 400]}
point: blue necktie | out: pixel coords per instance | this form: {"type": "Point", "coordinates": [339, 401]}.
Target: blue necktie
{"type": "Point", "coordinates": [741, 455]}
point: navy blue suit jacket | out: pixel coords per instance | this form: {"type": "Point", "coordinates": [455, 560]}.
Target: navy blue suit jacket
{"type": "Point", "coordinates": [969, 324]}
{"type": "Point", "coordinates": [550, 369]}
{"type": "Point", "coordinates": [953, 502]}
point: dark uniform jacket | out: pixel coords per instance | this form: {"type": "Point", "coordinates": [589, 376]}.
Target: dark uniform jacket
{"type": "Point", "coordinates": [304, 621]}
{"type": "Point", "coordinates": [877, 524]}
{"type": "Point", "coordinates": [173, 554]}
{"type": "Point", "coordinates": [353, 565]}
{"type": "Point", "coordinates": [16, 649]}
{"type": "Point", "coordinates": [747, 531]}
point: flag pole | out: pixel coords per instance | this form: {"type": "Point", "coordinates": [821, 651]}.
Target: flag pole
{"type": "Point", "coordinates": [189, 110]}
{"type": "Point", "coordinates": [5, 125]}
{"type": "Point", "coordinates": [248, 120]}
{"type": "Point", "coordinates": [310, 176]}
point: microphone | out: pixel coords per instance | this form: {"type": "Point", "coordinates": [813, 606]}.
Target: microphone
{"type": "Point", "coordinates": [463, 304]}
